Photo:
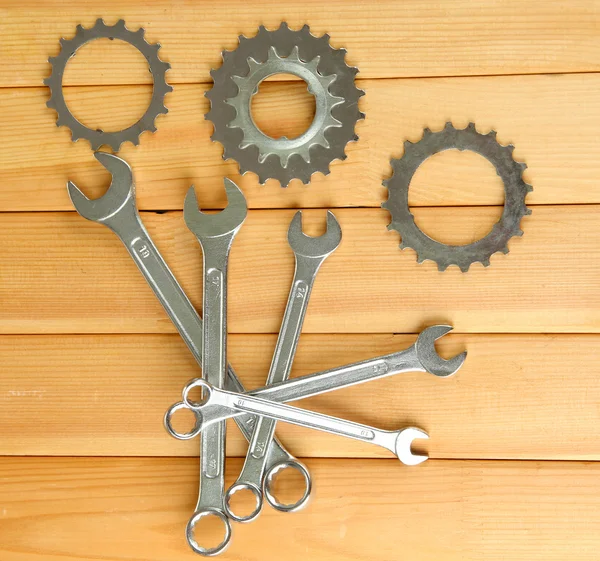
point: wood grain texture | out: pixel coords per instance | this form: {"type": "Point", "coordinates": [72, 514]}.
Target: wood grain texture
{"type": "Point", "coordinates": [105, 395]}
{"type": "Point", "coordinates": [551, 120]}
{"type": "Point", "coordinates": [453, 37]}
{"type": "Point", "coordinates": [73, 276]}
{"type": "Point", "coordinates": [79, 509]}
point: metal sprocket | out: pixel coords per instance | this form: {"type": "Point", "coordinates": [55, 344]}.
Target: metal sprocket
{"type": "Point", "coordinates": [515, 191]}
{"type": "Point", "coordinates": [157, 67]}
{"type": "Point", "coordinates": [296, 52]}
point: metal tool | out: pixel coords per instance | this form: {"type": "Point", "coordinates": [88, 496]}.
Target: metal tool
{"type": "Point", "coordinates": [157, 67]}
{"type": "Point", "coordinates": [117, 209]}
{"type": "Point", "coordinates": [309, 253]}
{"type": "Point", "coordinates": [215, 233]}
{"type": "Point", "coordinates": [515, 191]}
{"type": "Point", "coordinates": [396, 441]}
{"type": "Point", "coordinates": [329, 79]}
{"type": "Point", "coordinates": [419, 357]}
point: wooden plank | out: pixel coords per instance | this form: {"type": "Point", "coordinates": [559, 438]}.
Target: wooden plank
{"type": "Point", "coordinates": [409, 39]}
{"type": "Point", "coordinates": [552, 121]}
{"type": "Point", "coordinates": [517, 396]}
{"type": "Point", "coordinates": [84, 282]}
{"type": "Point", "coordinates": [79, 509]}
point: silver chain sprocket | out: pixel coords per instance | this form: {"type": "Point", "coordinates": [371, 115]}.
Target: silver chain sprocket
{"type": "Point", "coordinates": [515, 191]}
{"type": "Point", "coordinates": [157, 67]}
{"type": "Point", "coordinates": [329, 79]}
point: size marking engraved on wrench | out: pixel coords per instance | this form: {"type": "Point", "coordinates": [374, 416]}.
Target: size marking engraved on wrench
{"type": "Point", "coordinates": [212, 466]}
{"type": "Point", "coordinates": [144, 250]}
{"type": "Point", "coordinates": [301, 290]}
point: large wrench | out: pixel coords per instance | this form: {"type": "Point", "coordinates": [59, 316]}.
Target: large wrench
{"type": "Point", "coordinates": [309, 254]}
{"type": "Point", "coordinates": [419, 357]}
{"type": "Point", "coordinates": [398, 442]}
{"type": "Point", "coordinates": [117, 209]}
{"type": "Point", "coordinates": [215, 233]}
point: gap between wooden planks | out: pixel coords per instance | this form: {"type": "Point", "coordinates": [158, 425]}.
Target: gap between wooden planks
{"type": "Point", "coordinates": [74, 276]}
{"type": "Point", "coordinates": [119, 509]}
{"type": "Point", "coordinates": [516, 397]}
{"type": "Point", "coordinates": [389, 39]}
{"type": "Point", "coordinates": [551, 120]}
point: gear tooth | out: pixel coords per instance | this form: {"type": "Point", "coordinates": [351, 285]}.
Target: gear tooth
{"type": "Point", "coordinates": [471, 127]}
{"type": "Point", "coordinates": [529, 188]}
{"type": "Point", "coordinates": [504, 250]}
{"type": "Point", "coordinates": [528, 211]}
{"type": "Point", "coordinates": [51, 104]}
{"type": "Point", "coordinates": [449, 125]}
{"type": "Point", "coordinates": [426, 132]}
{"type": "Point", "coordinates": [442, 267]}
{"type": "Point", "coordinates": [121, 24]}
{"type": "Point", "coordinates": [510, 148]}
{"type": "Point", "coordinates": [486, 262]}
{"type": "Point", "coordinates": [464, 268]}
{"type": "Point", "coordinates": [141, 32]}
{"type": "Point", "coordinates": [284, 25]}
{"type": "Point", "coordinates": [79, 30]}
{"type": "Point", "coordinates": [402, 244]}
{"type": "Point", "coordinates": [386, 182]}
{"type": "Point", "coordinates": [492, 134]}
{"type": "Point", "coordinates": [99, 23]}
{"type": "Point", "coordinates": [295, 54]}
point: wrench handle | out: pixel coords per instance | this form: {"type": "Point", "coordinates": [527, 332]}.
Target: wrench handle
{"type": "Point", "coordinates": [342, 377]}
{"type": "Point", "coordinates": [287, 343]}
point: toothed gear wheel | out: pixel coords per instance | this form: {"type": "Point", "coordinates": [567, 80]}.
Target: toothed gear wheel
{"type": "Point", "coordinates": [329, 79]}
{"type": "Point", "coordinates": [157, 67]}
{"type": "Point", "coordinates": [515, 191]}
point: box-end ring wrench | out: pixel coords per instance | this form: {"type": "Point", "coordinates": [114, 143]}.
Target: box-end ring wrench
{"type": "Point", "coordinates": [117, 210]}
{"type": "Point", "coordinates": [419, 357]}
{"type": "Point", "coordinates": [399, 442]}
{"type": "Point", "coordinates": [215, 234]}
{"type": "Point", "coordinates": [310, 253]}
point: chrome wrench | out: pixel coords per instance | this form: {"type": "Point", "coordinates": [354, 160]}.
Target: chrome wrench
{"type": "Point", "coordinates": [399, 442]}
{"type": "Point", "coordinates": [419, 357]}
{"type": "Point", "coordinates": [117, 209]}
{"type": "Point", "coordinates": [215, 234]}
{"type": "Point", "coordinates": [310, 253]}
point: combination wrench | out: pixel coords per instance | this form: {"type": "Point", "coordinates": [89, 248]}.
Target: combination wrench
{"type": "Point", "coordinates": [215, 233]}
{"type": "Point", "coordinates": [419, 357]}
{"type": "Point", "coordinates": [309, 253]}
{"type": "Point", "coordinates": [117, 210]}
{"type": "Point", "coordinates": [399, 442]}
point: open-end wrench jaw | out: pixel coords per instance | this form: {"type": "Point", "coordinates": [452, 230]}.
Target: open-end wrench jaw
{"type": "Point", "coordinates": [428, 356]}
{"type": "Point", "coordinates": [224, 223]}
{"type": "Point", "coordinates": [316, 247]}
{"type": "Point", "coordinates": [404, 442]}
{"type": "Point", "coordinates": [119, 194]}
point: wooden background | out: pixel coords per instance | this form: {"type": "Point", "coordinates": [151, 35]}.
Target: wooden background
{"type": "Point", "coordinates": [89, 360]}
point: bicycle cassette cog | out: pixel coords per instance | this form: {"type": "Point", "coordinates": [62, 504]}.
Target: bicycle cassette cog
{"type": "Point", "coordinates": [157, 67]}
{"type": "Point", "coordinates": [329, 79]}
{"type": "Point", "coordinates": [515, 191]}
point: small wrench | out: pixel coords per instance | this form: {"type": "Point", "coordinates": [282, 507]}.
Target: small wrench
{"type": "Point", "coordinates": [215, 233]}
{"type": "Point", "coordinates": [398, 442]}
{"type": "Point", "coordinates": [309, 254]}
{"type": "Point", "coordinates": [419, 357]}
{"type": "Point", "coordinates": [117, 209]}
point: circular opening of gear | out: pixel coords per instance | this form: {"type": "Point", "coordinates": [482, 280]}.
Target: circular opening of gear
{"type": "Point", "coordinates": [113, 108]}
{"type": "Point", "coordinates": [465, 178]}
{"type": "Point", "coordinates": [286, 95]}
